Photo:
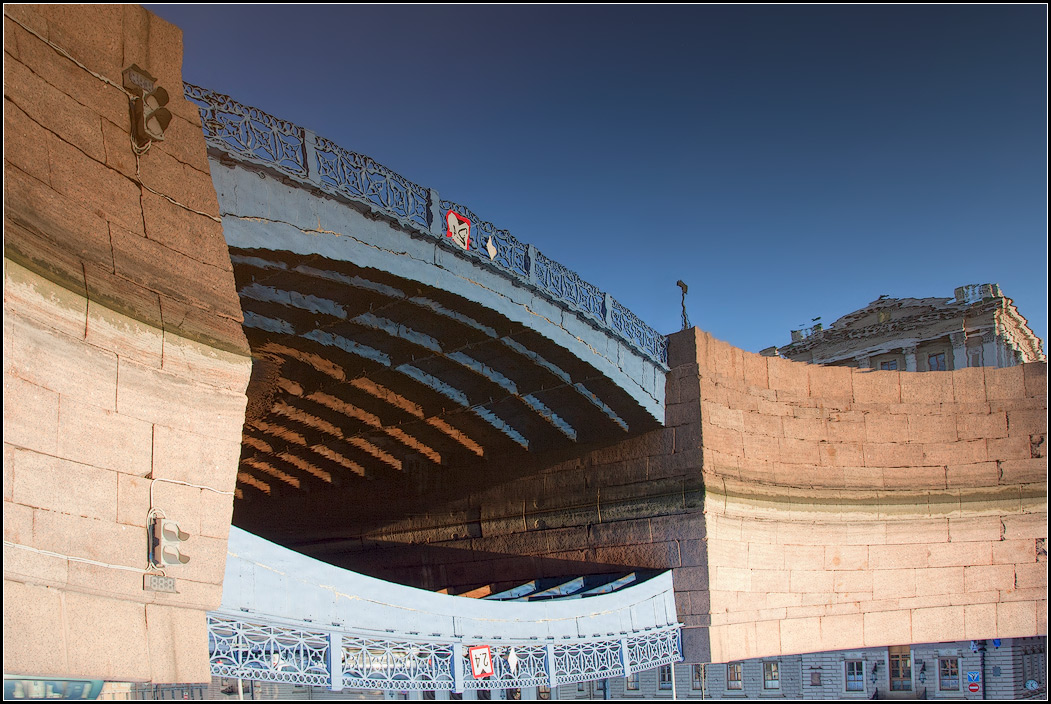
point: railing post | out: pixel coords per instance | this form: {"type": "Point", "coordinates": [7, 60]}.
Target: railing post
{"type": "Point", "coordinates": [608, 305]}
{"type": "Point", "coordinates": [532, 264]}
{"type": "Point", "coordinates": [457, 667]}
{"type": "Point", "coordinates": [435, 210]}
{"type": "Point", "coordinates": [625, 655]}
{"type": "Point", "coordinates": [310, 160]}
{"type": "Point", "coordinates": [549, 664]}
{"type": "Point", "coordinates": [335, 661]}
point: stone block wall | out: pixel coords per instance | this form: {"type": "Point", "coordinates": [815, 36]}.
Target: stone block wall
{"type": "Point", "coordinates": [848, 508]}
{"type": "Point", "coordinates": [124, 362]}
{"type": "Point", "coordinates": [802, 508]}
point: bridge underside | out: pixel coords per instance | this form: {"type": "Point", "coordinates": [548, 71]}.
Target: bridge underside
{"type": "Point", "coordinates": [371, 394]}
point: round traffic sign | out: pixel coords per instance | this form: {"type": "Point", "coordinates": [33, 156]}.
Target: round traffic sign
{"type": "Point", "coordinates": [973, 686]}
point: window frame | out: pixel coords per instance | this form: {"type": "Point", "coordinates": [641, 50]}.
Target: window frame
{"type": "Point", "coordinates": [736, 684]}
{"type": "Point", "coordinates": [771, 674]}
{"type": "Point", "coordinates": [942, 677]}
{"type": "Point", "coordinates": [858, 677]}
{"type": "Point", "coordinates": [631, 682]}
{"type": "Point", "coordinates": [664, 677]}
{"type": "Point", "coordinates": [697, 678]}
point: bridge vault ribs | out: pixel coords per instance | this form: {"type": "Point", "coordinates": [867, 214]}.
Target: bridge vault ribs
{"type": "Point", "coordinates": [399, 363]}
{"type": "Point", "coordinates": [372, 387]}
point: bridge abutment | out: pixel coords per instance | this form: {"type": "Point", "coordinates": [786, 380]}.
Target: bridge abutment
{"type": "Point", "coordinates": [125, 365]}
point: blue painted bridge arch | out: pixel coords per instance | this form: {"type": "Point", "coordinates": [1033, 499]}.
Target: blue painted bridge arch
{"type": "Point", "coordinates": [382, 349]}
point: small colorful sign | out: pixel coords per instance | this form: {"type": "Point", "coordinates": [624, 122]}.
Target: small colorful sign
{"type": "Point", "coordinates": [973, 687]}
{"type": "Point", "coordinates": [459, 228]}
{"type": "Point", "coordinates": [481, 657]}
{"type": "Point", "coordinates": [974, 676]}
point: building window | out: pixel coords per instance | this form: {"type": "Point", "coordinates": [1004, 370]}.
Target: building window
{"type": "Point", "coordinates": [697, 680]}
{"type": "Point", "coordinates": [733, 676]}
{"type": "Point", "coordinates": [815, 679]}
{"type": "Point", "coordinates": [889, 365]}
{"type": "Point", "coordinates": [949, 674]}
{"type": "Point", "coordinates": [771, 678]}
{"type": "Point", "coordinates": [600, 686]}
{"type": "Point", "coordinates": [665, 677]}
{"type": "Point", "coordinates": [631, 682]}
{"type": "Point", "coordinates": [855, 676]}
{"type": "Point", "coordinates": [900, 668]}
{"type": "Point", "coordinates": [936, 362]}
{"type": "Point", "coordinates": [543, 692]}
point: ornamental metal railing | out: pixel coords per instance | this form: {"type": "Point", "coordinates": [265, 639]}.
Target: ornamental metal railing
{"type": "Point", "coordinates": [255, 647]}
{"type": "Point", "coordinates": [254, 136]}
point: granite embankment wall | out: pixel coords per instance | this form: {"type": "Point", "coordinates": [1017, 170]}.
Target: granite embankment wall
{"type": "Point", "coordinates": [125, 365]}
{"type": "Point", "coordinates": [802, 508]}
{"type": "Point", "coordinates": [849, 508]}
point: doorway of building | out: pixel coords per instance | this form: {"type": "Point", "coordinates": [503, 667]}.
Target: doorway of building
{"type": "Point", "coordinates": [900, 668]}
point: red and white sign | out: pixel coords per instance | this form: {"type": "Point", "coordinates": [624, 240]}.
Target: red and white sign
{"type": "Point", "coordinates": [481, 657]}
{"type": "Point", "coordinates": [459, 228]}
{"type": "Point", "coordinates": [973, 687]}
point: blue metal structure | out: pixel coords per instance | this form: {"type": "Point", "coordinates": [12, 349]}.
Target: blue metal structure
{"type": "Point", "coordinates": [257, 137]}
{"type": "Point", "coordinates": [289, 618]}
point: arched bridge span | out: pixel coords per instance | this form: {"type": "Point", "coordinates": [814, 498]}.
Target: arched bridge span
{"type": "Point", "coordinates": [385, 350]}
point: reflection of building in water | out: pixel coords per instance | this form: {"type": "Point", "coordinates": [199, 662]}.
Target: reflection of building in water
{"type": "Point", "coordinates": [979, 327]}
{"type": "Point", "coordinates": [1009, 668]}
{"type": "Point", "coordinates": [1014, 668]}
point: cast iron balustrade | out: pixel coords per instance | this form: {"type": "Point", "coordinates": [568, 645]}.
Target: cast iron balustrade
{"type": "Point", "coordinates": [254, 136]}
{"type": "Point", "coordinates": [256, 647]}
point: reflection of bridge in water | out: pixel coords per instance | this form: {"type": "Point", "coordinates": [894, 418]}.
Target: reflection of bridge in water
{"type": "Point", "coordinates": [453, 418]}
{"type": "Point", "coordinates": [387, 353]}
{"type": "Point", "coordinates": [288, 618]}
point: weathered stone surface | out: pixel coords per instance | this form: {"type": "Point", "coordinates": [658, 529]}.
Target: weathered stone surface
{"type": "Point", "coordinates": [906, 452]}
{"type": "Point", "coordinates": [177, 645]}
{"type": "Point", "coordinates": [94, 651]}
{"type": "Point", "coordinates": [34, 353]}
{"type": "Point", "coordinates": [28, 152]}
{"type": "Point", "coordinates": [87, 491]}
{"type": "Point", "coordinates": [98, 437]}
{"type": "Point", "coordinates": [74, 462]}
{"type": "Point", "coordinates": [54, 111]}
{"type": "Point", "coordinates": [34, 633]}
{"type": "Point", "coordinates": [36, 428]}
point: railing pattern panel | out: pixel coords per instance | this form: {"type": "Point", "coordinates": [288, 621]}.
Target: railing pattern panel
{"type": "Point", "coordinates": [648, 650]}
{"type": "Point", "coordinates": [370, 663]}
{"type": "Point", "coordinates": [249, 132]}
{"type": "Point", "coordinates": [578, 662]}
{"type": "Point", "coordinates": [267, 652]}
{"type": "Point", "coordinates": [641, 335]}
{"type": "Point", "coordinates": [254, 135]}
{"type": "Point", "coordinates": [565, 285]}
{"type": "Point", "coordinates": [361, 178]}
{"type": "Point", "coordinates": [511, 255]}
{"type": "Point", "coordinates": [259, 649]}
{"type": "Point", "coordinates": [525, 668]}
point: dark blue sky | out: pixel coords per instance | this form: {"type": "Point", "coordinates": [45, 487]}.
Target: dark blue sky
{"type": "Point", "coordinates": [787, 162]}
